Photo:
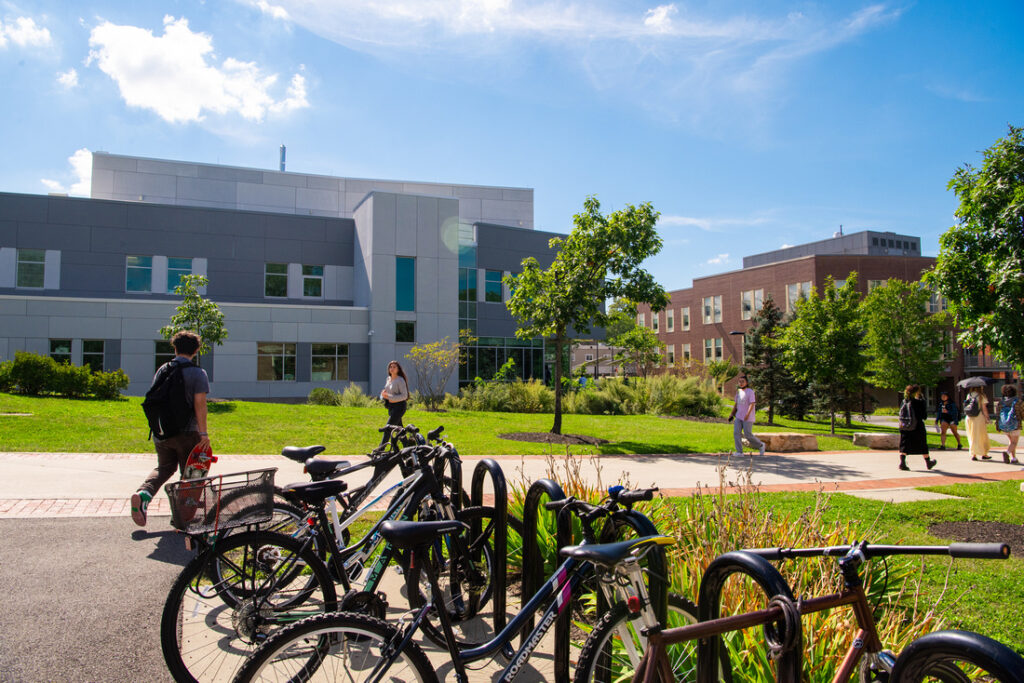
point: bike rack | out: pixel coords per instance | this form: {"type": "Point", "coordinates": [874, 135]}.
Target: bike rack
{"type": "Point", "coordinates": [533, 567]}
{"type": "Point", "coordinates": [709, 606]}
{"type": "Point", "coordinates": [499, 578]}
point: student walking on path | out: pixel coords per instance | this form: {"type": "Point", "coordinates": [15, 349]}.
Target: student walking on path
{"type": "Point", "coordinates": [947, 417]}
{"type": "Point", "coordinates": [1011, 412]}
{"type": "Point", "coordinates": [745, 411]}
{"type": "Point", "coordinates": [976, 410]}
{"type": "Point", "coordinates": [913, 433]}
{"type": "Point", "coordinates": [396, 393]}
{"type": "Point", "coordinates": [180, 388]}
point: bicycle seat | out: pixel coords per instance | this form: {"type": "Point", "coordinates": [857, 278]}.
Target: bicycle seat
{"type": "Point", "coordinates": [325, 468]}
{"type": "Point", "coordinates": [407, 535]}
{"type": "Point", "coordinates": [301, 453]}
{"type": "Point", "coordinates": [609, 554]}
{"type": "Point", "coordinates": [314, 492]}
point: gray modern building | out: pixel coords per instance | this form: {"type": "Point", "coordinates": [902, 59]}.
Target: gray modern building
{"type": "Point", "coordinates": [322, 280]}
{"type": "Point", "coordinates": [863, 243]}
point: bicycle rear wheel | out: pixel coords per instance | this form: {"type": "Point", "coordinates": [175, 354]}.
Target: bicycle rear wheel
{"type": "Point", "coordinates": [334, 647]}
{"type": "Point", "coordinates": [262, 581]}
{"type": "Point", "coordinates": [957, 657]}
{"type": "Point", "coordinates": [614, 648]}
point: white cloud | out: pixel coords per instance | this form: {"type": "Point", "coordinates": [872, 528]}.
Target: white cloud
{"type": "Point", "coordinates": [176, 74]}
{"type": "Point", "coordinates": [23, 32]}
{"type": "Point", "coordinates": [660, 18]}
{"type": "Point", "coordinates": [274, 11]}
{"type": "Point", "coordinates": [785, 245]}
{"type": "Point", "coordinates": [81, 171]}
{"type": "Point", "coordinates": [68, 79]}
{"type": "Point", "coordinates": [718, 260]}
{"type": "Point", "coordinates": [710, 224]}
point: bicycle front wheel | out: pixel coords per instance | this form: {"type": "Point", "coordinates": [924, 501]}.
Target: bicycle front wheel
{"type": "Point", "coordinates": [229, 598]}
{"type": "Point", "coordinates": [957, 657]}
{"type": "Point", "coordinates": [335, 647]}
{"type": "Point", "coordinates": [614, 648]}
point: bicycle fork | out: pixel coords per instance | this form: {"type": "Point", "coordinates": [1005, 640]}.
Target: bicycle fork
{"type": "Point", "coordinates": [629, 583]}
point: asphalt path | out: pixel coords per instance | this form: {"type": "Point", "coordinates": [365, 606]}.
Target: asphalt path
{"type": "Point", "coordinates": [81, 599]}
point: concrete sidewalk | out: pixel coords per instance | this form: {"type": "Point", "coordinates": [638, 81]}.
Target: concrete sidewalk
{"type": "Point", "coordinates": [34, 485]}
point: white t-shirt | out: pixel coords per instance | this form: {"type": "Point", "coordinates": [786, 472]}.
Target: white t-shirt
{"type": "Point", "coordinates": [744, 399]}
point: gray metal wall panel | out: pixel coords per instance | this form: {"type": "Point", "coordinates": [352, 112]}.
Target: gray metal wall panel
{"type": "Point", "coordinates": [208, 361]}
{"type": "Point", "coordinates": [503, 248]}
{"type": "Point", "coordinates": [359, 362]}
{"type": "Point", "coordinates": [303, 362]}
{"type": "Point", "coordinates": [111, 354]}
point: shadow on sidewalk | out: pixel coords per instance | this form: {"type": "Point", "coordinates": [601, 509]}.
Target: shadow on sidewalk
{"type": "Point", "coordinates": [169, 548]}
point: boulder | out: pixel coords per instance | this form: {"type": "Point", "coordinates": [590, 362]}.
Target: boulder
{"type": "Point", "coordinates": [788, 442]}
{"type": "Point", "coordinates": [883, 441]}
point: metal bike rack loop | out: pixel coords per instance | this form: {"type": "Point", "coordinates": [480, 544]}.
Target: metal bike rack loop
{"type": "Point", "coordinates": [533, 565]}
{"type": "Point", "coordinates": [709, 606]}
{"type": "Point", "coordinates": [499, 577]}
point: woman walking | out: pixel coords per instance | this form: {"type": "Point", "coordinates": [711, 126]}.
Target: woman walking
{"type": "Point", "coordinates": [947, 417]}
{"type": "Point", "coordinates": [395, 393]}
{"type": "Point", "coordinates": [913, 434]}
{"type": "Point", "coordinates": [1010, 413]}
{"type": "Point", "coordinates": [976, 410]}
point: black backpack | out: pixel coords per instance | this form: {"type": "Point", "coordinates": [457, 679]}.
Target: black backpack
{"type": "Point", "coordinates": [972, 406]}
{"type": "Point", "coordinates": [907, 419]}
{"type": "Point", "coordinates": [166, 404]}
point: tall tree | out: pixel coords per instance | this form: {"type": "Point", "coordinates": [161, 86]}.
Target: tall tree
{"type": "Point", "coordinates": [825, 344]}
{"type": "Point", "coordinates": [599, 260]}
{"type": "Point", "coordinates": [196, 313]}
{"type": "Point", "coordinates": [641, 347]}
{"type": "Point", "coordinates": [762, 353]}
{"type": "Point", "coordinates": [980, 267]}
{"type": "Point", "coordinates": [904, 339]}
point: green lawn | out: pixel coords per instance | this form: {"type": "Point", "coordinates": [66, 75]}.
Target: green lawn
{"type": "Point", "coordinates": [244, 427]}
{"type": "Point", "coordinates": [976, 595]}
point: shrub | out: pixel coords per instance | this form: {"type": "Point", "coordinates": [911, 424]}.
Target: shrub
{"type": "Point", "coordinates": [6, 383]}
{"type": "Point", "coordinates": [33, 374]}
{"type": "Point", "coordinates": [506, 397]}
{"type": "Point", "coordinates": [73, 381]}
{"type": "Point", "coordinates": [353, 397]}
{"type": "Point", "coordinates": [108, 385]}
{"type": "Point", "coordinates": [323, 396]}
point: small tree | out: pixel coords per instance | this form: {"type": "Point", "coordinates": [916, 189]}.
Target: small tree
{"type": "Point", "coordinates": [825, 344]}
{"type": "Point", "coordinates": [599, 260]}
{"type": "Point", "coordinates": [641, 347]}
{"type": "Point", "coordinates": [433, 365]}
{"type": "Point", "coordinates": [979, 268]}
{"type": "Point", "coordinates": [721, 371]}
{"type": "Point", "coordinates": [904, 340]}
{"type": "Point", "coordinates": [196, 313]}
{"type": "Point", "coordinates": [762, 352]}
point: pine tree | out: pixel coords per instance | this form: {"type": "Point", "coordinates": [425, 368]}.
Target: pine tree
{"type": "Point", "coordinates": [762, 354]}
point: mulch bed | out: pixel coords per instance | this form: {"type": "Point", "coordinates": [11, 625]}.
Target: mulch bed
{"type": "Point", "coordinates": [981, 532]}
{"type": "Point", "coordinates": [548, 437]}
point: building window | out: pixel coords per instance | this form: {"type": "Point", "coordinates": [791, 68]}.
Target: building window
{"type": "Point", "coordinates": [313, 282]}
{"type": "Point", "coordinates": [330, 362]}
{"type": "Point", "coordinates": [686, 317]}
{"type": "Point", "coordinates": [492, 285]}
{"type": "Point", "coordinates": [670, 322]}
{"type": "Point", "coordinates": [467, 287]}
{"type": "Point", "coordinates": [641, 320]}
{"type": "Point", "coordinates": [405, 332]}
{"type": "Point", "coordinates": [795, 292]}
{"type": "Point", "coordinates": [163, 352]}
{"type": "Point", "coordinates": [275, 362]}
{"type": "Point", "coordinates": [177, 268]}
{"type": "Point", "coordinates": [712, 349]}
{"type": "Point", "coordinates": [139, 274]}
{"type": "Point", "coordinates": [875, 283]}
{"type": "Point", "coordinates": [937, 303]}
{"type": "Point", "coordinates": [686, 352]}
{"type": "Point", "coordinates": [751, 302]}
{"type": "Point", "coordinates": [655, 319]}
{"type": "Point", "coordinates": [839, 284]}
{"type": "Point", "coordinates": [874, 241]}
{"type": "Point", "coordinates": [405, 283]}
{"type": "Point", "coordinates": [60, 350]}
{"type": "Point", "coordinates": [670, 357]}
{"type": "Point", "coordinates": [588, 357]}
{"type": "Point", "coordinates": [92, 354]}
{"type": "Point", "coordinates": [712, 309]}
{"type": "Point", "coordinates": [31, 268]}
{"type": "Point", "coordinates": [275, 280]}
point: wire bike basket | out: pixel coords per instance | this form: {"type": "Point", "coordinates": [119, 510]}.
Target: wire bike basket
{"type": "Point", "coordinates": [223, 501]}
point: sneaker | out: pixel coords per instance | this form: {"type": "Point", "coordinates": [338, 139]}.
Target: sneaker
{"type": "Point", "coordinates": [903, 466]}
{"type": "Point", "coordinates": [986, 457]}
{"type": "Point", "coordinates": [760, 451]}
{"type": "Point", "coordinates": [140, 503]}
{"type": "Point", "coordinates": [942, 448]}
{"type": "Point", "coordinates": [930, 463]}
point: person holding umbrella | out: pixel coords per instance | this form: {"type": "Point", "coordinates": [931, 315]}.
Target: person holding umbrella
{"type": "Point", "coordinates": [976, 411]}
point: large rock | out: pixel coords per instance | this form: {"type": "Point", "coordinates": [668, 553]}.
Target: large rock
{"type": "Point", "coordinates": [883, 441]}
{"type": "Point", "coordinates": [788, 442]}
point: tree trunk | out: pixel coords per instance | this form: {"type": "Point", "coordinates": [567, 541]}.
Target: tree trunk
{"type": "Point", "coordinates": [771, 400]}
{"type": "Point", "coordinates": [597, 359]}
{"type": "Point", "coordinates": [557, 427]}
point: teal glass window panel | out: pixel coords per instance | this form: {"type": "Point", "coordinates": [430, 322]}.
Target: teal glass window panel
{"type": "Point", "coordinates": [492, 286]}
{"type": "Point", "coordinates": [405, 283]}
{"type": "Point", "coordinates": [31, 268]}
{"type": "Point", "coordinates": [467, 256]}
{"type": "Point", "coordinates": [276, 280]}
{"type": "Point", "coordinates": [139, 274]}
{"type": "Point", "coordinates": [177, 268]}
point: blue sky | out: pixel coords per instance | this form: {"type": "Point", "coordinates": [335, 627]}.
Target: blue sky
{"type": "Point", "coordinates": [749, 125]}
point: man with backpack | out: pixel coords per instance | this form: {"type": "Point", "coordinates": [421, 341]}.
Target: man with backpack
{"type": "Point", "coordinates": [175, 407]}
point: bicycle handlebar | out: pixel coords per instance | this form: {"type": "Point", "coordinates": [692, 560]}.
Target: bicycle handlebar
{"type": "Point", "coordinates": [987, 551]}
{"type": "Point", "coordinates": [435, 434]}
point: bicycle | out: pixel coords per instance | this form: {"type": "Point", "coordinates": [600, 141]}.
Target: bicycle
{"type": "Point", "coordinates": [932, 657]}
{"type": "Point", "coordinates": [283, 578]}
{"type": "Point", "coordinates": [367, 649]}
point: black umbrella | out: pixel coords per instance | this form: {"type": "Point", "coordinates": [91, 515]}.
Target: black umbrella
{"type": "Point", "coordinates": [977, 381]}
